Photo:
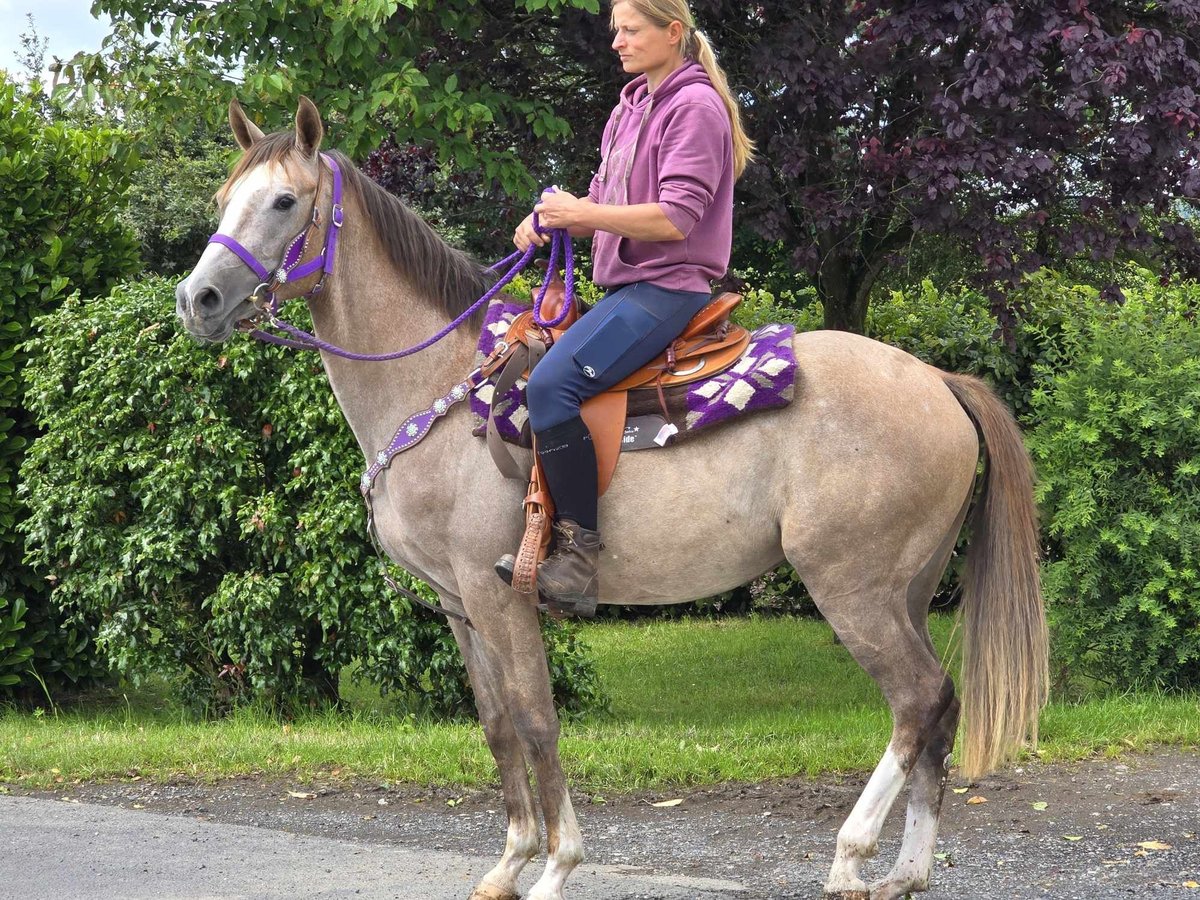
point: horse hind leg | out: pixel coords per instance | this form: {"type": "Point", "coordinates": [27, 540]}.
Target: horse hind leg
{"type": "Point", "coordinates": [521, 844]}
{"type": "Point", "coordinates": [877, 631]}
{"type": "Point", "coordinates": [927, 784]}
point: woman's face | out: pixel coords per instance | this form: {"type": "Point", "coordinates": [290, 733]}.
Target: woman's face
{"type": "Point", "coordinates": [642, 45]}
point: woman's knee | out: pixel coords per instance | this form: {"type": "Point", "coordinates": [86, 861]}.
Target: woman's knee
{"type": "Point", "coordinates": [540, 390]}
{"type": "Point", "coordinates": [548, 398]}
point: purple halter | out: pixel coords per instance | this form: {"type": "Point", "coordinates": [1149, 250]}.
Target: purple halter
{"type": "Point", "coordinates": [289, 268]}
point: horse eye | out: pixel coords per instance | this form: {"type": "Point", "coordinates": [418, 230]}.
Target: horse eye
{"type": "Point", "coordinates": [285, 202]}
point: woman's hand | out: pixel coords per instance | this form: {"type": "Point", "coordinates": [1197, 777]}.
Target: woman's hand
{"type": "Point", "coordinates": [559, 209]}
{"type": "Point", "coordinates": [526, 235]}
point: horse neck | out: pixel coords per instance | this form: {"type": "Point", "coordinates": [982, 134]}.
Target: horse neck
{"type": "Point", "coordinates": [369, 307]}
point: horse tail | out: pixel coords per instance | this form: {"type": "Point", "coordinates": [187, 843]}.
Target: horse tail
{"type": "Point", "coordinates": [1005, 644]}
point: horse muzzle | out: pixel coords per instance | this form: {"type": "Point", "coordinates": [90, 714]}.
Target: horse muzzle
{"type": "Point", "coordinates": [206, 313]}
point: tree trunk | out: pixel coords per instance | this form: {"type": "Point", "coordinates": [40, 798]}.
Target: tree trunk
{"type": "Point", "coordinates": [844, 296]}
{"type": "Point", "coordinates": [323, 682]}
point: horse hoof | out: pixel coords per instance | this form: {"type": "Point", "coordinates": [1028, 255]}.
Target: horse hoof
{"type": "Point", "coordinates": [849, 895]}
{"type": "Point", "coordinates": [896, 890]}
{"type": "Point", "coordinates": [487, 892]}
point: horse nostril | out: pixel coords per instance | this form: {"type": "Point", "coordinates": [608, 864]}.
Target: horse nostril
{"type": "Point", "coordinates": [208, 298]}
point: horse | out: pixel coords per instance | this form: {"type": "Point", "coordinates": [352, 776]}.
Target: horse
{"type": "Point", "coordinates": [863, 484]}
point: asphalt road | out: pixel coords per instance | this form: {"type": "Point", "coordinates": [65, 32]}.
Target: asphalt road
{"type": "Point", "coordinates": [1096, 830]}
{"type": "Point", "coordinates": [56, 850]}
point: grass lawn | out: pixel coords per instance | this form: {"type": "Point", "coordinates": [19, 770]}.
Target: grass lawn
{"type": "Point", "coordinates": [693, 702]}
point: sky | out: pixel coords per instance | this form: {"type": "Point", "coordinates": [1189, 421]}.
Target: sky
{"type": "Point", "coordinates": [68, 24]}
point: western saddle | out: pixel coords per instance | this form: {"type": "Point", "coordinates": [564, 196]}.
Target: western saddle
{"type": "Point", "coordinates": [709, 345]}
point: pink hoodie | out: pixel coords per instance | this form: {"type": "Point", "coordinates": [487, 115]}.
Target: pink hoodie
{"type": "Point", "coordinates": [672, 147]}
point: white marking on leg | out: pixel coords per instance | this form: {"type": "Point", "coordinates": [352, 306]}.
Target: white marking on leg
{"type": "Point", "coordinates": [563, 861]}
{"type": "Point", "coordinates": [915, 863]}
{"type": "Point", "coordinates": [916, 850]}
{"type": "Point", "coordinates": [519, 849]}
{"type": "Point", "coordinates": [860, 832]}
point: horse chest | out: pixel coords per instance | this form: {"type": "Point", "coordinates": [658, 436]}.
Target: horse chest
{"type": "Point", "coordinates": [412, 524]}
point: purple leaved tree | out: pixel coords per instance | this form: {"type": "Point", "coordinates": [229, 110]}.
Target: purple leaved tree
{"type": "Point", "coordinates": [1031, 133]}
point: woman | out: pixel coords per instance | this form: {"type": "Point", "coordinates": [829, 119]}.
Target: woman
{"type": "Point", "coordinates": [660, 209]}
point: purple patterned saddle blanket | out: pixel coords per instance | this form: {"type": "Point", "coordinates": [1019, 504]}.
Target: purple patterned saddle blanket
{"type": "Point", "coordinates": [764, 378]}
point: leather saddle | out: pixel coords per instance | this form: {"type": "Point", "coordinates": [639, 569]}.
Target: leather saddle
{"type": "Point", "coordinates": [709, 345]}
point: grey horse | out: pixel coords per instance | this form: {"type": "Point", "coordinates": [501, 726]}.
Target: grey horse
{"type": "Point", "coordinates": [862, 484]}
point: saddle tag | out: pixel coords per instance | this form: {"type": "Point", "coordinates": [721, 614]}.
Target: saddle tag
{"type": "Point", "coordinates": [664, 434]}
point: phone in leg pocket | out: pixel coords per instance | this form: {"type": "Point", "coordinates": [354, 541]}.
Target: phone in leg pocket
{"type": "Point", "coordinates": [607, 345]}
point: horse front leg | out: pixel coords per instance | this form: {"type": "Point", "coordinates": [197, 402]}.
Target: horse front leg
{"type": "Point", "coordinates": [508, 626]}
{"type": "Point", "coordinates": [522, 843]}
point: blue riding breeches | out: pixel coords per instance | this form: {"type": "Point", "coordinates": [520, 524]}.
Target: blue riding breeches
{"type": "Point", "coordinates": [620, 334]}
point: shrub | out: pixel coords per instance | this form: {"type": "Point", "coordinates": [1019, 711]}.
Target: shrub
{"type": "Point", "coordinates": [15, 653]}
{"type": "Point", "coordinates": [61, 189]}
{"type": "Point", "coordinates": [201, 506]}
{"type": "Point", "coordinates": [170, 207]}
{"type": "Point", "coordinates": [1117, 446]}
{"type": "Point", "coordinates": [955, 330]}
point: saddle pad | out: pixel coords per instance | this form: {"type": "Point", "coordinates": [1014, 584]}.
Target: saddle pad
{"type": "Point", "coordinates": [764, 378]}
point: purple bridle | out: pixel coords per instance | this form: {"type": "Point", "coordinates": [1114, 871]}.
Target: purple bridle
{"type": "Point", "coordinates": [291, 269]}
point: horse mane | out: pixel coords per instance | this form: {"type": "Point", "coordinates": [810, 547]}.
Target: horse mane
{"type": "Point", "coordinates": [450, 277]}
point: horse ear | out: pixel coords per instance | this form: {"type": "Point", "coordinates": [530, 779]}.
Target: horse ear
{"type": "Point", "coordinates": [245, 132]}
{"type": "Point", "coordinates": [309, 129]}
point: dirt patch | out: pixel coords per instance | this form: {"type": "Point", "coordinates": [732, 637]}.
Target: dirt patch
{"type": "Point", "coordinates": [1096, 829]}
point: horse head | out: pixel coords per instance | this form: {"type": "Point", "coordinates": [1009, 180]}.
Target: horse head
{"type": "Point", "coordinates": [269, 212]}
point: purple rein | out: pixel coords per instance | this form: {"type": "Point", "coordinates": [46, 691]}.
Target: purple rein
{"type": "Point", "coordinates": [290, 269]}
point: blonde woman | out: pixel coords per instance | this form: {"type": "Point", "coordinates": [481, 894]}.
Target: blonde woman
{"type": "Point", "coordinates": [660, 212]}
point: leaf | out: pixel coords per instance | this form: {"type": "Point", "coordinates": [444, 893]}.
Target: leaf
{"type": "Point", "coordinates": [1040, 805]}
{"type": "Point", "coordinates": [301, 795]}
{"type": "Point", "coordinates": [1154, 845]}
{"type": "Point", "coordinates": [976, 799]}
{"type": "Point", "coordinates": [960, 790]}
{"type": "Point", "coordinates": [666, 803]}
{"type": "Point", "coordinates": [1072, 837]}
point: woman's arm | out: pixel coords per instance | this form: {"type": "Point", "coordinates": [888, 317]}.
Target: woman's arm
{"type": "Point", "coordinates": [581, 217]}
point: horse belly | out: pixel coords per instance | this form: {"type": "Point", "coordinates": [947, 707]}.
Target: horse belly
{"type": "Point", "coordinates": [689, 522]}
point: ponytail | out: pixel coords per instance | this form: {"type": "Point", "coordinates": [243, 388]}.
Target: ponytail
{"type": "Point", "coordinates": [743, 147]}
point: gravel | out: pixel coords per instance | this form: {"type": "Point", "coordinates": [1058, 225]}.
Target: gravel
{"type": "Point", "coordinates": [774, 839]}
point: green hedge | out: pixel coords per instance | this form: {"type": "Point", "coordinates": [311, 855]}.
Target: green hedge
{"type": "Point", "coordinates": [200, 505]}
{"type": "Point", "coordinates": [61, 189]}
{"type": "Point", "coordinates": [1116, 442]}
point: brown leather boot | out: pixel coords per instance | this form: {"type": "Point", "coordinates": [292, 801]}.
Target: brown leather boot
{"type": "Point", "coordinates": [568, 580]}
{"type": "Point", "coordinates": [571, 587]}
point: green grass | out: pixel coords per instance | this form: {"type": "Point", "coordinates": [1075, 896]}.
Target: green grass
{"type": "Point", "coordinates": [693, 702]}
